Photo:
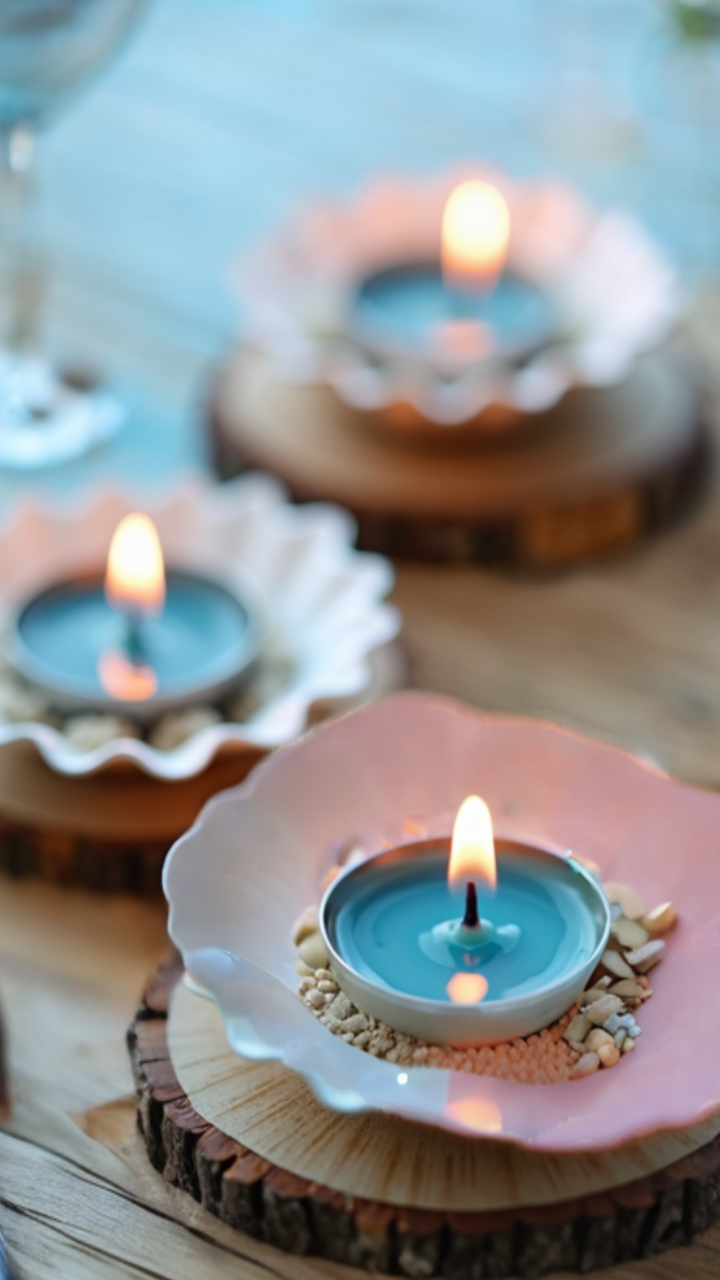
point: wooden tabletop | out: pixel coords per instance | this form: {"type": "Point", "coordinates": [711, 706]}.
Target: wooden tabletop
{"type": "Point", "coordinates": [221, 114]}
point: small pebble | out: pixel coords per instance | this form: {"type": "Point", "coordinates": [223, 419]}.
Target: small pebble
{"type": "Point", "coordinates": [578, 1028]}
{"type": "Point", "coordinates": [632, 904]}
{"type": "Point", "coordinates": [312, 951]}
{"type": "Point", "coordinates": [630, 933]}
{"type": "Point", "coordinates": [609, 1054]}
{"type": "Point", "coordinates": [306, 923]}
{"type": "Point", "coordinates": [315, 999]}
{"type": "Point", "coordinates": [620, 1037]}
{"type": "Point", "coordinates": [660, 919]}
{"type": "Point", "coordinates": [594, 993]}
{"type": "Point", "coordinates": [634, 1031]}
{"type": "Point", "coordinates": [601, 1009]}
{"type": "Point", "coordinates": [357, 1023]}
{"type": "Point", "coordinates": [585, 1065]}
{"type": "Point", "coordinates": [612, 1024]}
{"type": "Point", "coordinates": [329, 987]}
{"type": "Point", "coordinates": [342, 1006]}
{"type": "Point", "coordinates": [173, 729]}
{"type": "Point", "coordinates": [628, 1045]}
{"type": "Point", "coordinates": [87, 733]}
{"type": "Point", "coordinates": [628, 988]}
{"type": "Point", "coordinates": [596, 1039]}
{"type": "Point", "coordinates": [613, 961]}
{"type": "Point", "coordinates": [646, 957]}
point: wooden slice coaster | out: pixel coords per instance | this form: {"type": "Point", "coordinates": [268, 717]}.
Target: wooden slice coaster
{"type": "Point", "coordinates": [221, 1129]}
{"type": "Point", "coordinates": [112, 830]}
{"type": "Point", "coordinates": [109, 831]}
{"type": "Point", "coordinates": [594, 475]}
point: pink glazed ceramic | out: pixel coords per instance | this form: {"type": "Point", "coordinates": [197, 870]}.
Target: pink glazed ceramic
{"type": "Point", "coordinates": [257, 855]}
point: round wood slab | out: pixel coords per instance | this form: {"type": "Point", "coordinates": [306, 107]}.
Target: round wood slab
{"type": "Point", "coordinates": [254, 1146]}
{"type": "Point", "coordinates": [600, 471]}
{"type": "Point", "coordinates": [110, 831]}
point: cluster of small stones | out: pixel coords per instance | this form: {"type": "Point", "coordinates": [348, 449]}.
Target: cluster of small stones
{"type": "Point", "coordinates": [599, 1029]}
{"type": "Point", "coordinates": [23, 703]}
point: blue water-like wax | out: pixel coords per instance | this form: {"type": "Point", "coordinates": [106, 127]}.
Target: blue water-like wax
{"type": "Point", "coordinates": [379, 927]}
{"type": "Point", "coordinates": [67, 629]}
{"type": "Point", "coordinates": [410, 304]}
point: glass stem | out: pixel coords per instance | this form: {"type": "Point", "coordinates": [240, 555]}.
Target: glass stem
{"type": "Point", "coordinates": [22, 267]}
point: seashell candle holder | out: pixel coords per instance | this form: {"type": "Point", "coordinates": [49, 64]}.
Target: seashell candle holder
{"type": "Point", "coordinates": [95, 798]}
{"type": "Point", "coordinates": [395, 773]}
{"type": "Point", "coordinates": [321, 603]}
{"type": "Point", "coordinates": [354, 296]}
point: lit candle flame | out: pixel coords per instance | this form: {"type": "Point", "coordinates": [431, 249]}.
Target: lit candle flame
{"type": "Point", "coordinates": [467, 988]}
{"type": "Point", "coordinates": [128, 681]}
{"type": "Point", "coordinates": [481, 1115]}
{"type": "Point", "coordinates": [472, 852]}
{"type": "Point", "coordinates": [135, 576]}
{"type": "Point", "coordinates": [475, 236]}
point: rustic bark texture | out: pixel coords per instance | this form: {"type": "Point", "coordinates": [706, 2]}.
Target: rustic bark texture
{"type": "Point", "coordinates": [106, 866]}
{"type": "Point", "coordinates": [633, 1221]}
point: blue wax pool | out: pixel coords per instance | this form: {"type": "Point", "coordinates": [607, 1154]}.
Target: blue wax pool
{"type": "Point", "coordinates": [380, 924]}
{"type": "Point", "coordinates": [203, 637]}
{"type": "Point", "coordinates": [411, 304]}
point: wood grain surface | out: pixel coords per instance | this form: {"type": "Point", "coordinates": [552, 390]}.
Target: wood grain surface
{"type": "Point", "coordinates": [381, 1157]}
{"type": "Point", "coordinates": [220, 116]}
{"type": "Point", "coordinates": [77, 1194]}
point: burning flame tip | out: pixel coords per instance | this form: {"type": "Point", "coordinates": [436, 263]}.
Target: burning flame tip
{"type": "Point", "coordinates": [135, 577]}
{"type": "Point", "coordinates": [475, 234]}
{"type": "Point", "coordinates": [472, 853]}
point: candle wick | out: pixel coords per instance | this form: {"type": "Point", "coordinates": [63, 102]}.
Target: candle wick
{"type": "Point", "coordinates": [134, 647]}
{"type": "Point", "coordinates": [471, 919]}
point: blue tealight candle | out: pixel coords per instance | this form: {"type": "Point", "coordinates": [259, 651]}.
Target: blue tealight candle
{"type": "Point", "coordinates": [135, 639]}
{"type": "Point", "coordinates": [465, 960]}
{"type": "Point", "coordinates": [462, 308]}
{"type": "Point", "coordinates": [412, 305]}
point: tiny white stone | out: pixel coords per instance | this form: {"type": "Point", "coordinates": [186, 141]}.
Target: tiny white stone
{"type": "Point", "coordinates": [176, 727]}
{"type": "Point", "coordinates": [312, 951]}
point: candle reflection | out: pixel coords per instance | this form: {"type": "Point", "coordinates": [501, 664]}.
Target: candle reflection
{"type": "Point", "coordinates": [121, 678]}
{"type": "Point", "coordinates": [480, 1115]}
{"type": "Point", "coordinates": [467, 988]}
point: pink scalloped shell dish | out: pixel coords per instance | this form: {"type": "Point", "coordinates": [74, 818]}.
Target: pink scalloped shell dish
{"type": "Point", "coordinates": [257, 856]}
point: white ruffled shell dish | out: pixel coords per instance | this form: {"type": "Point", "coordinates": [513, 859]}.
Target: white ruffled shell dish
{"type": "Point", "coordinates": [395, 771]}
{"type": "Point", "coordinates": [614, 291]}
{"type": "Point", "coordinates": [322, 603]}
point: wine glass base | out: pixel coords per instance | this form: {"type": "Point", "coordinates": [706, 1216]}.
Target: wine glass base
{"type": "Point", "coordinates": [49, 416]}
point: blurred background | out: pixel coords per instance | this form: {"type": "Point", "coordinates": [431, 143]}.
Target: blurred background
{"type": "Point", "coordinates": [222, 114]}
